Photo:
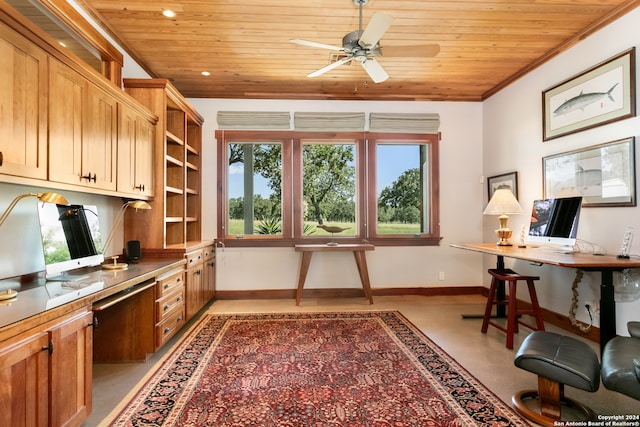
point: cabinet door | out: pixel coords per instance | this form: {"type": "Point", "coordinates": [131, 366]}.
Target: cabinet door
{"type": "Point", "coordinates": [144, 155]}
{"type": "Point", "coordinates": [99, 138]}
{"type": "Point", "coordinates": [71, 370]}
{"type": "Point", "coordinates": [67, 92]}
{"type": "Point", "coordinates": [135, 153]}
{"type": "Point", "coordinates": [209, 276]}
{"type": "Point", "coordinates": [24, 382]}
{"type": "Point", "coordinates": [23, 122]}
{"type": "Point", "coordinates": [126, 150]}
{"type": "Point", "coordinates": [193, 290]}
{"type": "Point", "coordinates": [82, 131]}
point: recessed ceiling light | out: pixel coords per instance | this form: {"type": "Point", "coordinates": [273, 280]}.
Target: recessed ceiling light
{"type": "Point", "coordinates": [169, 13]}
{"type": "Point", "coordinates": [206, 73]}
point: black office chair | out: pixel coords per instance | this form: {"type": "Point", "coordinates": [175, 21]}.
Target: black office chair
{"type": "Point", "coordinates": [621, 363]}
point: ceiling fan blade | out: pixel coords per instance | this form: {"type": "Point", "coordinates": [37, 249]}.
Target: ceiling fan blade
{"type": "Point", "coordinates": [421, 51]}
{"type": "Point", "coordinates": [377, 26]}
{"type": "Point", "coordinates": [375, 70]}
{"type": "Point", "coordinates": [330, 67]}
{"type": "Point", "coordinates": [314, 44]}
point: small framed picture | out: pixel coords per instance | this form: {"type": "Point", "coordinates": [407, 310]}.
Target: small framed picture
{"type": "Point", "coordinates": [506, 180]}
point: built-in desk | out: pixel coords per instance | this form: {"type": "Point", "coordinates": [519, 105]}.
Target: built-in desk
{"type": "Point", "coordinates": [605, 264]}
{"type": "Point", "coordinates": [358, 250]}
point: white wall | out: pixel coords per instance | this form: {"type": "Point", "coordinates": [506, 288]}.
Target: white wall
{"type": "Point", "coordinates": [460, 209]}
{"type": "Point", "coordinates": [20, 242]}
{"type": "Point", "coordinates": [512, 133]}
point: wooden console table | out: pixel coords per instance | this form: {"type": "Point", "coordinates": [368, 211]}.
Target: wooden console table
{"type": "Point", "coordinates": [358, 250]}
{"type": "Point", "coordinates": [605, 264]}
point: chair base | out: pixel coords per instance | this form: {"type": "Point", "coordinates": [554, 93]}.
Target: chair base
{"type": "Point", "coordinates": [518, 401]}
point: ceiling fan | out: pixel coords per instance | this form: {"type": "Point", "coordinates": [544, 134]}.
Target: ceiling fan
{"type": "Point", "coordinates": [363, 46]}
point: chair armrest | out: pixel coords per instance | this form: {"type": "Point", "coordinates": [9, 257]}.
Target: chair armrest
{"type": "Point", "coordinates": [634, 329]}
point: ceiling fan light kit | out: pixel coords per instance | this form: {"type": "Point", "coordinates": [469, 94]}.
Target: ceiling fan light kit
{"type": "Point", "coordinates": [364, 45]}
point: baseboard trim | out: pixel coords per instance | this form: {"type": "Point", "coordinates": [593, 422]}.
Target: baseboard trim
{"type": "Point", "coordinates": [553, 318]}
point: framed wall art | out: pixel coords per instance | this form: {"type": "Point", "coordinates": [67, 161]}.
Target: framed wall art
{"type": "Point", "coordinates": [602, 94]}
{"type": "Point", "coordinates": [509, 180]}
{"type": "Point", "coordinates": [604, 174]}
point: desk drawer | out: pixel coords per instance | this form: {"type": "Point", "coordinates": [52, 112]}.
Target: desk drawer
{"type": "Point", "coordinates": [194, 258]}
{"type": "Point", "coordinates": [169, 303]}
{"type": "Point", "coordinates": [168, 327]}
{"type": "Point", "coordinates": [209, 253]}
{"type": "Point", "coordinates": [168, 283]}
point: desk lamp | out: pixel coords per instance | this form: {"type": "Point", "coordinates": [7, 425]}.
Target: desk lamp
{"type": "Point", "coordinates": [43, 197]}
{"type": "Point", "coordinates": [503, 202]}
{"type": "Point", "coordinates": [136, 204]}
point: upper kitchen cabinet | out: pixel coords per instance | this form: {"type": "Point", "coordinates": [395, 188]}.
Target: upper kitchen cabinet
{"type": "Point", "coordinates": [82, 131]}
{"type": "Point", "coordinates": [24, 85]}
{"type": "Point", "coordinates": [135, 152]}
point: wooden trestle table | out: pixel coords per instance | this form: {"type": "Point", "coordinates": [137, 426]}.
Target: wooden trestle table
{"type": "Point", "coordinates": [358, 250]}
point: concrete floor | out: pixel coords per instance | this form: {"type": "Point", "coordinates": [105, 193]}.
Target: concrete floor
{"type": "Point", "coordinates": [439, 317]}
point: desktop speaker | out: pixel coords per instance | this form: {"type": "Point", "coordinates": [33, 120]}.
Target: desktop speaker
{"type": "Point", "coordinates": [132, 251]}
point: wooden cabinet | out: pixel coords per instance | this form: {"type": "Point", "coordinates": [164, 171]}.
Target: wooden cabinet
{"type": "Point", "coordinates": [46, 375]}
{"type": "Point", "coordinates": [71, 370]}
{"type": "Point", "coordinates": [24, 87]}
{"type": "Point", "coordinates": [195, 291]}
{"type": "Point", "coordinates": [170, 306]}
{"type": "Point", "coordinates": [209, 273]}
{"type": "Point", "coordinates": [174, 221]}
{"type": "Point", "coordinates": [24, 375]}
{"type": "Point", "coordinates": [135, 152]}
{"type": "Point", "coordinates": [82, 130]}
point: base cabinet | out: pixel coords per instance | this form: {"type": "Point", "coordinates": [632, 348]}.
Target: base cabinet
{"type": "Point", "coordinates": [195, 293]}
{"type": "Point", "coordinates": [45, 375]}
{"type": "Point", "coordinates": [24, 382]}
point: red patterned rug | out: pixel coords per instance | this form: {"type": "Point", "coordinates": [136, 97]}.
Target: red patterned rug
{"type": "Point", "coordinates": [312, 369]}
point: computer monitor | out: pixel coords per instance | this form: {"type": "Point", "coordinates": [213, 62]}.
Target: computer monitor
{"type": "Point", "coordinates": [70, 239]}
{"type": "Point", "coordinates": [554, 222]}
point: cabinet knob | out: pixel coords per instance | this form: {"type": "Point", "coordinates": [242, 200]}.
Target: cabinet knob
{"type": "Point", "coordinates": [139, 187]}
{"type": "Point", "coordinates": [166, 307]}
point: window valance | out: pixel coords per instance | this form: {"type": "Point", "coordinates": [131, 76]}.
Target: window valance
{"type": "Point", "coordinates": [258, 120]}
{"type": "Point", "coordinates": [332, 122]}
{"type": "Point", "coordinates": [404, 122]}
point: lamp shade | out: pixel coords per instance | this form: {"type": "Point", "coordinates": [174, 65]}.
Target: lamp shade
{"type": "Point", "coordinates": [503, 202]}
{"type": "Point", "coordinates": [44, 197]}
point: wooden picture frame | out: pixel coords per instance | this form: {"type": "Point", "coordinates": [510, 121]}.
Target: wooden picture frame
{"type": "Point", "coordinates": [509, 180]}
{"type": "Point", "coordinates": [602, 94]}
{"type": "Point", "coordinates": [604, 174]}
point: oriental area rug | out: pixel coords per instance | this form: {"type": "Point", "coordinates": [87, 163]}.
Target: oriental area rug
{"type": "Point", "coordinates": [343, 369]}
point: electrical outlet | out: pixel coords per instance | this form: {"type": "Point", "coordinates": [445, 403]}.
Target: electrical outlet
{"type": "Point", "coordinates": [593, 308]}
{"type": "Point", "coordinates": [441, 275]}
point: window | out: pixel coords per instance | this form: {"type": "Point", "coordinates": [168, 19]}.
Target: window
{"type": "Point", "coordinates": [281, 188]}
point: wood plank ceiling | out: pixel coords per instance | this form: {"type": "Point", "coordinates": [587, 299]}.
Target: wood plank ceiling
{"type": "Point", "coordinates": [246, 48]}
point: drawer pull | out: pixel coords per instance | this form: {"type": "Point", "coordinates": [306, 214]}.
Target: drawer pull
{"type": "Point", "coordinates": [1, 158]}
{"type": "Point", "coordinates": [167, 330]}
{"type": "Point", "coordinates": [89, 178]}
{"type": "Point", "coordinates": [179, 298]}
{"type": "Point", "coordinates": [166, 307]}
{"type": "Point", "coordinates": [166, 286]}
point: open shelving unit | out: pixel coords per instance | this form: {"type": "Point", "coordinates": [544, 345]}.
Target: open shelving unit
{"type": "Point", "coordinates": [175, 218]}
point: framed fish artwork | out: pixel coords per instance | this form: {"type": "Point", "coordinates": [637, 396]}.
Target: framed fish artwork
{"type": "Point", "coordinates": [603, 174]}
{"type": "Point", "coordinates": [602, 94]}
